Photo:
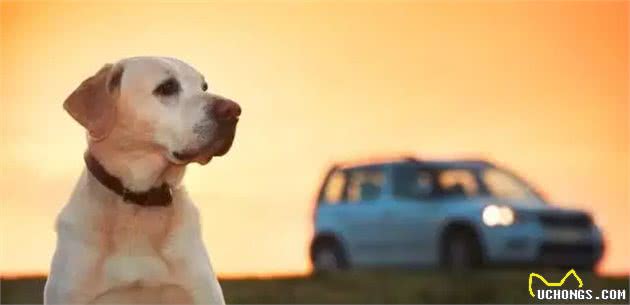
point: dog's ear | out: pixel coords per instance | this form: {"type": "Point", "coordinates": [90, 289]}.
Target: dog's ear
{"type": "Point", "coordinates": [93, 103]}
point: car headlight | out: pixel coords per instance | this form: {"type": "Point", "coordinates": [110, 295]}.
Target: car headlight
{"type": "Point", "coordinates": [494, 215]}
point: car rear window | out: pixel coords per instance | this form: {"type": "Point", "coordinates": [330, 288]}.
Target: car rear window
{"type": "Point", "coordinates": [365, 185]}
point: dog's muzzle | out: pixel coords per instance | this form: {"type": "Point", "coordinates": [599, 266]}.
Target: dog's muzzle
{"type": "Point", "coordinates": [226, 115]}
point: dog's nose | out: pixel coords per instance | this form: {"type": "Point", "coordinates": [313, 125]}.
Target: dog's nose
{"type": "Point", "coordinates": [225, 109]}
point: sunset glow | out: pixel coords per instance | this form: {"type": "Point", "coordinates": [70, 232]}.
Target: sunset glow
{"type": "Point", "coordinates": [540, 87]}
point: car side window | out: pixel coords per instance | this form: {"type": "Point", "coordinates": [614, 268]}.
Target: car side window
{"type": "Point", "coordinates": [333, 192]}
{"type": "Point", "coordinates": [364, 185]}
{"type": "Point", "coordinates": [413, 183]}
{"type": "Point", "coordinates": [458, 182]}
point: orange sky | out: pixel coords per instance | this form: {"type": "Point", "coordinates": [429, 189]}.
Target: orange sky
{"type": "Point", "coordinates": [539, 86]}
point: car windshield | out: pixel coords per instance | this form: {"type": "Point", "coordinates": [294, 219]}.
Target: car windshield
{"type": "Point", "coordinates": [418, 183]}
{"type": "Point", "coordinates": [505, 185]}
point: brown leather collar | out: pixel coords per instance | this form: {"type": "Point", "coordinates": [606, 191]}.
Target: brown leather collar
{"type": "Point", "coordinates": [157, 196]}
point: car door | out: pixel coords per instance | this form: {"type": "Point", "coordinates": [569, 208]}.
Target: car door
{"type": "Point", "coordinates": [413, 216]}
{"type": "Point", "coordinates": [362, 215]}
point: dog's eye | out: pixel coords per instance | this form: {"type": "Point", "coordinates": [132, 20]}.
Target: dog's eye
{"type": "Point", "coordinates": [204, 86]}
{"type": "Point", "coordinates": [168, 87]}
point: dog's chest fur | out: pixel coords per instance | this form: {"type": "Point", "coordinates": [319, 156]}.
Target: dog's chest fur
{"type": "Point", "coordinates": [133, 245]}
{"type": "Point", "coordinates": [135, 241]}
{"type": "Point", "coordinates": [113, 252]}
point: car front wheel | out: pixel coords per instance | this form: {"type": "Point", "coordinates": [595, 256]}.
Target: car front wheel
{"type": "Point", "coordinates": [461, 252]}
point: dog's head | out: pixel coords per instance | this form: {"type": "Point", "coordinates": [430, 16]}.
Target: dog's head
{"type": "Point", "coordinates": [157, 103]}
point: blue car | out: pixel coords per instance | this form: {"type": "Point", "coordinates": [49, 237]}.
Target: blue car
{"type": "Point", "coordinates": [457, 214]}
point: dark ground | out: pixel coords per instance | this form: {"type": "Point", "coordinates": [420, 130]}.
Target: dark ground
{"type": "Point", "coordinates": [494, 286]}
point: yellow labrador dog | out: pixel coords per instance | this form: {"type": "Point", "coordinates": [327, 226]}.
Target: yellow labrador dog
{"type": "Point", "coordinates": [130, 233]}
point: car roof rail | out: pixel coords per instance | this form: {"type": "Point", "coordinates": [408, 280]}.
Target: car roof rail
{"type": "Point", "coordinates": [483, 162]}
{"type": "Point", "coordinates": [374, 160]}
{"type": "Point", "coordinates": [412, 159]}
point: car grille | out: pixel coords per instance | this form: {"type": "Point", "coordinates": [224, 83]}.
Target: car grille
{"type": "Point", "coordinates": [566, 249]}
{"type": "Point", "coordinates": [566, 221]}
{"type": "Point", "coordinates": [556, 253]}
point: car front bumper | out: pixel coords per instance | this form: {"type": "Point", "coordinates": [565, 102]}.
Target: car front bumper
{"type": "Point", "coordinates": [532, 243]}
